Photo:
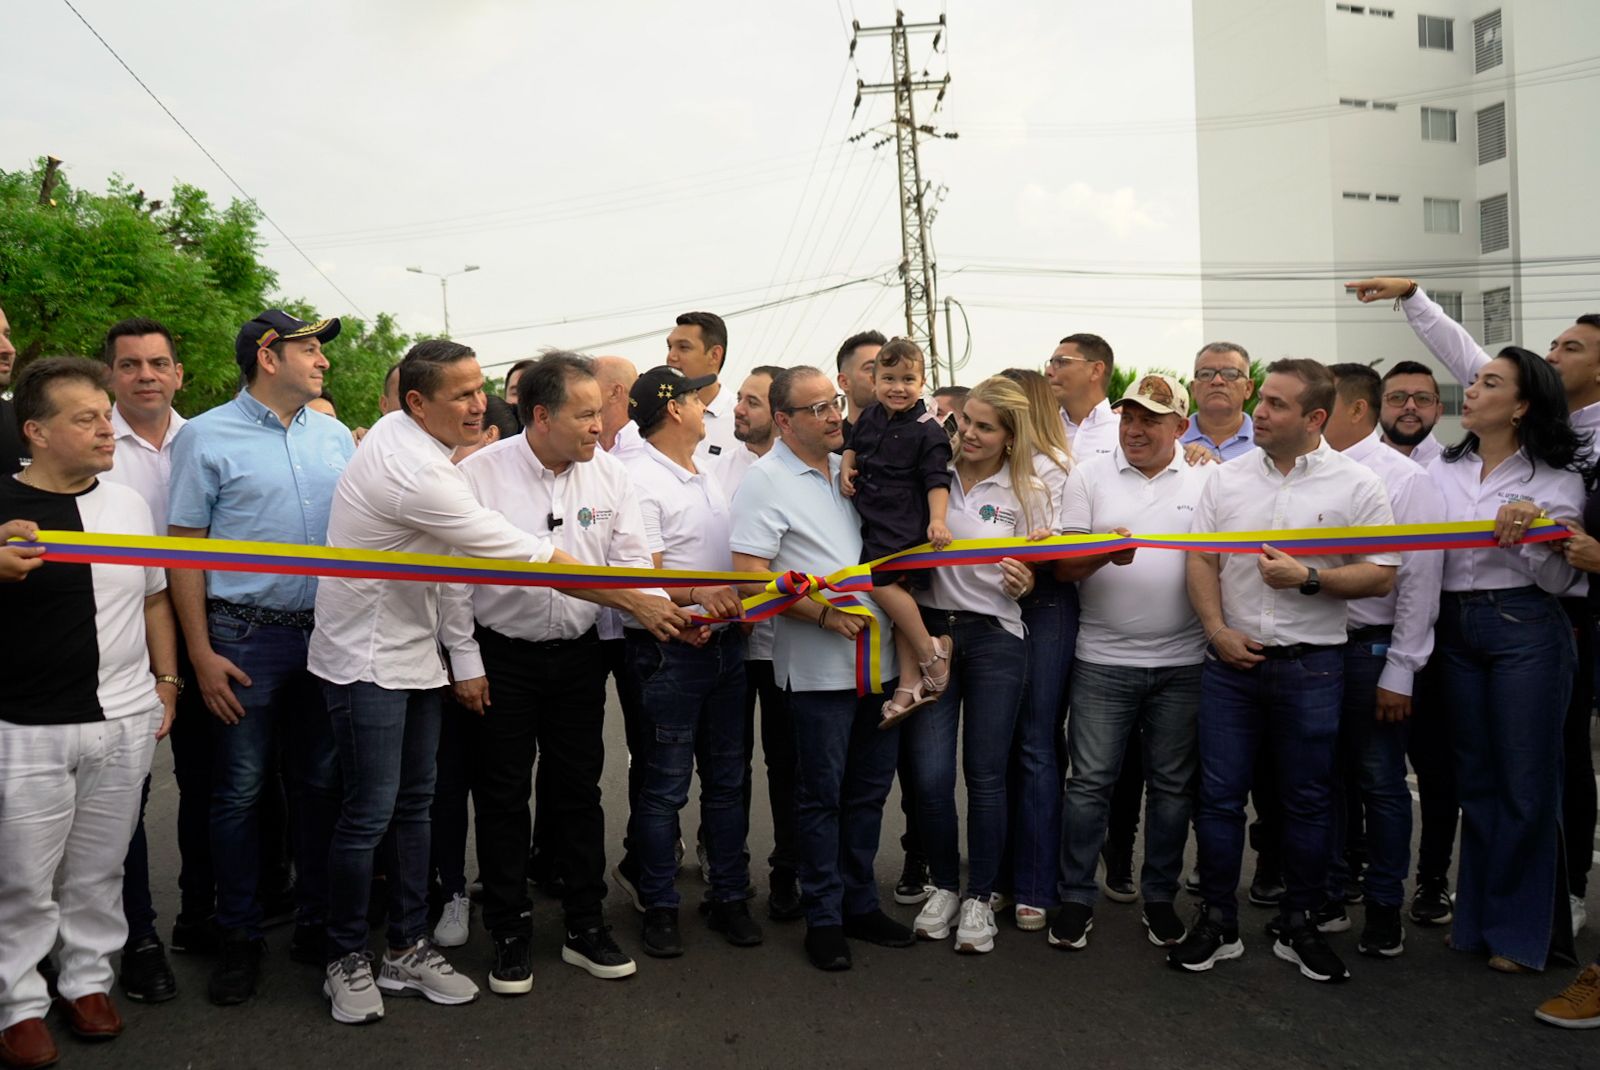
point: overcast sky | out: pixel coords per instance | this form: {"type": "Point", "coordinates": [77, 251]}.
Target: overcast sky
{"type": "Point", "coordinates": [611, 164]}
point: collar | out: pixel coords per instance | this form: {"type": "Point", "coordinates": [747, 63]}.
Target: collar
{"type": "Point", "coordinates": [793, 464]}
{"type": "Point", "coordinates": [1101, 411]}
{"type": "Point", "coordinates": [1367, 447]}
{"type": "Point", "coordinates": [526, 450]}
{"type": "Point", "coordinates": [1001, 478]}
{"type": "Point", "coordinates": [409, 426]}
{"type": "Point", "coordinates": [683, 474]}
{"type": "Point", "coordinates": [916, 412]}
{"type": "Point", "coordinates": [718, 406]}
{"type": "Point", "coordinates": [258, 413]}
{"type": "Point", "coordinates": [123, 429]}
{"type": "Point", "coordinates": [1303, 463]}
{"type": "Point", "coordinates": [1177, 464]}
{"type": "Point", "coordinates": [1246, 432]}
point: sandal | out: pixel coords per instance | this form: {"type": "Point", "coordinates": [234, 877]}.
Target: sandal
{"type": "Point", "coordinates": [895, 712]}
{"type": "Point", "coordinates": [937, 684]}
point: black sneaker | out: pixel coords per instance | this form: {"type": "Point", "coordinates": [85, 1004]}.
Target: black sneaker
{"type": "Point", "coordinates": [1267, 890]}
{"type": "Point", "coordinates": [912, 887]}
{"type": "Point", "coordinates": [1304, 946]}
{"type": "Point", "coordinates": [783, 902]}
{"type": "Point", "coordinates": [1330, 917]}
{"type": "Point", "coordinates": [1207, 943]}
{"type": "Point", "coordinates": [513, 965]}
{"type": "Point", "coordinates": [879, 928]}
{"type": "Point", "coordinates": [309, 945]}
{"type": "Point", "coordinates": [1382, 936]}
{"type": "Point", "coordinates": [1071, 928]}
{"type": "Point", "coordinates": [1118, 883]}
{"type": "Point", "coordinates": [238, 970]}
{"type": "Point", "coordinates": [733, 921]}
{"type": "Point", "coordinates": [1191, 882]}
{"type": "Point", "coordinates": [145, 976]}
{"type": "Point", "coordinates": [592, 949]}
{"type": "Point", "coordinates": [826, 947]}
{"type": "Point", "coordinates": [1432, 904]}
{"type": "Point", "coordinates": [1162, 925]}
{"type": "Point", "coordinates": [660, 934]}
{"type": "Point", "coordinates": [626, 874]}
{"type": "Point", "coordinates": [1355, 890]}
{"type": "Point", "coordinates": [194, 936]}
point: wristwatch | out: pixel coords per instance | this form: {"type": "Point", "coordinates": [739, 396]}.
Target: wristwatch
{"type": "Point", "coordinates": [175, 681]}
{"type": "Point", "coordinates": [1312, 583]}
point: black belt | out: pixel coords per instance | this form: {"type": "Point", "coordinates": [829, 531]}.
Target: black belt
{"type": "Point", "coordinates": [590, 636]}
{"type": "Point", "coordinates": [1366, 633]}
{"type": "Point", "coordinates": [1293, 650]}
{"type": "Point", "coordinates": [283, 618]}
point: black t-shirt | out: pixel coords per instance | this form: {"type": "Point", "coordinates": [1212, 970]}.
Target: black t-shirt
{"type": "Point", "coordinates": [11, 452]}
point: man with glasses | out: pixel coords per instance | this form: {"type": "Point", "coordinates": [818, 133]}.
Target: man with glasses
{"type": "Point", "coordinates": [1080, 373]}
{"type": "Point", "coordinates": [1221, 386]}
{"type": "Point", "coordinates": [1410, 410]}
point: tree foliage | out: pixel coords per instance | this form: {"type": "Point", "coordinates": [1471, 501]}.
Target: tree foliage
{"type": "Point", "coordinates": [1123, 378]}
{"type": "Point", "coordinates": [72, 267]}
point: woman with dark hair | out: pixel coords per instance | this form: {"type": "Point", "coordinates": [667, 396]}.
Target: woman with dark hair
{"type": "Point", "coordinates": [1508, 659]}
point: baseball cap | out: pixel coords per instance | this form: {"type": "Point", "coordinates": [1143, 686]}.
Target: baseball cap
{"type": "Point", "coordinates": [653, 389]}
{"type": "Point", "coordinates": [1160, 394]}
{"type": "Point", "coordinates": [274, 325]}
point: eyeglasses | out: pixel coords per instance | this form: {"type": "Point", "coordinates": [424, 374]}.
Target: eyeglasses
{"type": "Point", "coordinates": [1425, 399]}
{"type": "Point", "coordinates": [821, 408]}
{"type": "Point", "coordinates": [1227, 375]}
{"type": "Point", "coordinates": [1061, 362]}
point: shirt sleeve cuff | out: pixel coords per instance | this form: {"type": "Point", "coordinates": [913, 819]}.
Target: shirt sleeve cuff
{"type": "Point", "coordinates": [543, 550]}
{"type": "Point", "coordinates": [1396, 679]}
{"type": "Point", "coordinates": [466, 664]}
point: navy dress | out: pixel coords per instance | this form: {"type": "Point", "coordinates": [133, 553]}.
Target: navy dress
{"type": "Point", "coordinates": [900, 457]}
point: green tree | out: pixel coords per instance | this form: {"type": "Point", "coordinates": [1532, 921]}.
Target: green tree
{"type": "Point", "coordinates": [1123, 378]}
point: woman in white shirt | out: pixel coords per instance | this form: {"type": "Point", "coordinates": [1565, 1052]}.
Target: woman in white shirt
{"type": "Point", "coordinates": [1508, 659]}
{"type": "Point", "coordinates": [995, 494]}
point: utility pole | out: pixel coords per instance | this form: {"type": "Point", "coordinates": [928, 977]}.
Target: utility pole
{"type": "Point", "coordinates": [444, 288]}
{"type": "Point", "coordinates": [918, 271]}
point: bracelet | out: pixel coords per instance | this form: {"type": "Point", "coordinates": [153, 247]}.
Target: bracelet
{"type": "Point", "coordinates": [1214, 631]}
{"type": "Point", "coordinates": [822, 618]}
{"type": "Point", "coordinates": [692, 600]}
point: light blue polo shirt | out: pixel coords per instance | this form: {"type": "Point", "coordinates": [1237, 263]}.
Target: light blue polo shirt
{"type": "Point", "coordinates": [787, 512]}
{"type": "Point", "coordinates": [1237, 446]}
{"type": "Point", "coordinates": [239, 472]}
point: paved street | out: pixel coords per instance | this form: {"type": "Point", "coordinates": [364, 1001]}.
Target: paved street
{"type": "Point", "coordinates": [1026, 1004]}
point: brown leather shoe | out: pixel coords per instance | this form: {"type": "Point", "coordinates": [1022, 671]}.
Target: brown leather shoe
{"type": "Point", "coordinates": [27, 1045]}
{"type": "Point", "coordinates": [94, 1017]}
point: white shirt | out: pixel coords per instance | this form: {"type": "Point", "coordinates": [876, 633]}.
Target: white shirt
{"type": "Point", "coordinates": [1516, 479]}
{"type": "Point", "coordinates": [400, 492]}
{"type": "Point", "coordinates": [720, 451]}
{"type": "Point", "coordinates": [600, 524]}
{"type": "Point", "coordinates": [1413, 606]}
{"type": "Point", "coordinates": [990, 510]}
{"type": "Point", "coordinates": [758, 641]}
{"type": "Point", "coordinates": [1053, 474]}
{"type": "Point", "coordinates": [1098, 434]}
{"type": "Point", "coordinates": [1424, 452]}
{"type": "Point", "coordinates": [685, 515]}
{"type": "Point", "coordinates": [143, 467]}
{"type": "Point", "coordinates": [1138, 614]}
{"type": "Point", "coordinates": [628, 444]}
{"type": "Point", "coordinates": [1324, 489]}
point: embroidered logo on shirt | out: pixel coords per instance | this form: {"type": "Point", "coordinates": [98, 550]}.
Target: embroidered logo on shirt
{"type": "Point", "coordinates": [587, 516]}
{"type": "Point", "coordinates": [991, 515]}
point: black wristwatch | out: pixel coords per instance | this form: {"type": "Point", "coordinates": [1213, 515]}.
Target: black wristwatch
{"type": "Point", "coordinates": [1312, 583]}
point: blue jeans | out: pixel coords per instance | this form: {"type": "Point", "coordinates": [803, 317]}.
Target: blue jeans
{"type": "Point", "coordinates": [1372, 761]}
{"type": "Point", "coordinates": [986, 676]}
{"type": "Point", "coordinates": [845, 765]}
{"type": "Point", "coordinates": [283, 709]}
{"type": "Point", "coordinates": [387, 742]}
{"type": "Point", "coordinates": [1508, 659]}
{"type": "Point", "coordinates": [1290, 705]}
{"type": "Point", "coordinates": [1108, 703]}
{"type": "Point", "coordinates": [693, 702]}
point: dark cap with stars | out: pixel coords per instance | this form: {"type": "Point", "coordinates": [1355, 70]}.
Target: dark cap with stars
{"type": "Point", "coordinates": [661, 384]}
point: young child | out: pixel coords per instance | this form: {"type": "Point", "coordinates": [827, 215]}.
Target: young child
{"type": "Point", "coordinates": [897, 469]}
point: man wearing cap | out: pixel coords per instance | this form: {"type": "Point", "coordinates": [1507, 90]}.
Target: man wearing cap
{"type": "Point", "coordinates": [261, 468]}
{"type": "Point", "coordinates": [1138, 657]}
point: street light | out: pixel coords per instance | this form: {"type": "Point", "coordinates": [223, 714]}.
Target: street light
{"type": "Point", "coordinates": [444, 288]}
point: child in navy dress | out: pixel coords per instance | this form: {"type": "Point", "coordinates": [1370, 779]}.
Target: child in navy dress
{"type": "Point", "coordinates": [897, 470]}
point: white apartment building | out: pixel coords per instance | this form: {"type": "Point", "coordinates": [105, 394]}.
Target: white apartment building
{"type": "Point", "coordinates": [1450, 140]}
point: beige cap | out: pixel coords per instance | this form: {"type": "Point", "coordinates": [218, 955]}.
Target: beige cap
{"type": "Point", "coordinates": [1160, 394]}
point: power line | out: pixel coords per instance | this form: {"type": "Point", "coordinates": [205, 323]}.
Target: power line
{"type": "Point", "coordinates": [215, 162]}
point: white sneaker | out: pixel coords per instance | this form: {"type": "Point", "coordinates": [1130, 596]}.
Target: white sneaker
{"type": "Point", "coordinates": [1029, 919]}
{"type": "Point", "coordinates": [455, 923]}
{"type": "Point", "coordinates": [422, 969]}
{"type": "Point", "coordinates": [351, 993]}
{"type": "Point", "coordinates": [1580, 913]}
{"type": "Point", "coordinates": [975, 935]}
{"type": "Point", "coordinates": [942, 907]}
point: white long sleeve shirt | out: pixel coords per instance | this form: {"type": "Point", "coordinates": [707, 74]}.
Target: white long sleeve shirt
{"type": "Point", "coordinates": [1468, 496]}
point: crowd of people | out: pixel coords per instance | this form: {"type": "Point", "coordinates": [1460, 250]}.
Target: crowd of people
{"type": "Point", "coordinates": [332, 737]}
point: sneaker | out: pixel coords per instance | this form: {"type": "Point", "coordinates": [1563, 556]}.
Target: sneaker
{"type": "Point", "coordinates": [660, 935]}
{"type": "Point", "coordinates": [1578, 1006]}
{"type": "Point", "coordinates": [783, 901]}
{"type": "Point", "coordinates": [878, 928]}
{"type": "Point", "coordinates": [1117, 881]}
{"type": "Point", "coordinates": [1028, 918]}
{"type": "Point", "coordinates": [352, 995]}
{"type": "Point", "coordinates": [1354, 890]}
{"type": "Point", "coordinates": [705, 861]}
{"type": "Point", "coordinates": [455, 923]}
{"type": "Point", "coordinates": [238, 970]}
{"type": "Point", "coordinates": [677, 853]}
{"type": "Point", "coordinates": [1580, 913]}
{"type": "Point", "coordinates": [1191, 882]}
{"type": "Point", "coordinates": [422, 969]}
{"type": "Point", "coordinates": [1432, 903]}
{"type": "Point", "coordinates": [1207, 943]}
{"type": "Point", "coordinates": [309, 946]}
{"type": "Point", "coordinates": [933, 922]}
{"type": "Point", "coordinates": [913, 887]}
{"type": "Point", "coordinates": [826, 948]}
{"type": "Point", "coordinates": [1000, 902]}
{"type": "Point", "coordinates": [475, 889]}
{"type": "Point", "coordinates": [733, 921]}
{"type": "Point", "coordinates": [1162, 925]}
{"type": "Point", "coordinates": [512, 974]}
{"type": "Point", "coordinates": [1267, 890]}
{"type": "Point", "coordinates": [976, 932]}
{"type": "Point", "coordinates": [1382, 936]}
{"type": "Point", "coordinates": [592, 949]}
{"type": "Point", "coordinates": [1330, 917]}
{"type": "Point", "coordinates": [1303, 945]}
{"type": "Point", "coordinates": [627, 880]}
{"type": "Point", "coordinates": [146, 977]}
{"type": "Point", "coordinates": [1071, 928]}
{"type": "Point", "coordinates": [194, 936]}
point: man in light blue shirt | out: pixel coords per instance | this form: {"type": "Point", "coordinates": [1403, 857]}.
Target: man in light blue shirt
{"type": "Point", "coordinates": [262, 468]}
{"type": "Point", "coordinates": [789, 515]}
{"type": "Point", "coordinates": [1221, 386]}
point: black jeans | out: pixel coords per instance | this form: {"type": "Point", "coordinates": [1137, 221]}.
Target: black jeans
{"type": "Point", "coordinates": [451, 785]}
{"type": "Point", "coordinates": [1431, 749]}
{"type": "Point", "coordinates": [549, 702]}
{"type": "Point", "coordinates": [777, 746]}
{"type": "Point", "coordinates": [1578, 787]}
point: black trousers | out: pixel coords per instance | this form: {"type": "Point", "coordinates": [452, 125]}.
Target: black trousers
{"type": "Point", "coordinates": [1578, 787]}
{"type": "Point", "coordinates": [1122, 825]}
{"type": "Point", "coordinates": [777, 745]}
{"type": "Point", "coordinates": [549, 702]}
{"type": "Point", "coordinates": [1432, 753]}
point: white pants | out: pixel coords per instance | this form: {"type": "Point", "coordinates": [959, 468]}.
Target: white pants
{"type": "Point", "coordinates": [69, 798]}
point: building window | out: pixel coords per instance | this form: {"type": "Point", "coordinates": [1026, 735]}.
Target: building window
{"type": "Point", "coordinates": [1436, 32]}
{"type": "Point", "coordinates": [1488, 41]}
{"type": "Point", "coordinates": [1387, 198]}
{"type": "Point", "coordinates": [1381, 12]}
{"type": "Point", "coordinates": [1450, 399]}
{"type": "Point", "coordinates": [1449, 301]}
{"type": "Point", "coordinates": [1357, 196]}
{"type": "Point", "coordinates": [1438, 124]}
{"type": "Point", "coordinates": [1352, 102]}
{"type": "Point", "coordinates": [1384, 105]}
{"type": "Point", "coordinates": [1494, 225]}
{"type": "Point", "coordinates": [1354, 9]}
{"type": "Point", "coordinates": [1497, 316]}
{"type": "Point", "coordinates": [1441, 215]}
{"type": "Point", "coordinates": [1492, 133]}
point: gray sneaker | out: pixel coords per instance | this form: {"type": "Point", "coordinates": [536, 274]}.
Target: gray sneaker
{"type": "Point", "coordinates": [455, 923]}
{"type": "Point", "coordinates": [350, 990]}
{"type": "Point", "coordinates": [423, 969]}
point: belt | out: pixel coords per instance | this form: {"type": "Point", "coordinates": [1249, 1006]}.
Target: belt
{"type": "Point", "coordinates": [304, 619]}
{"type": "Point", "coordinates": [590, 636]}
{"type": "Point", "coordinates": [1293, 650]}
{"type": "Point", "coordinates": [1366, 633]}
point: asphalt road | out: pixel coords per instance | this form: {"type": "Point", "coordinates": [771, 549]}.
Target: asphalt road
{"type": "Point", "coordinates": [1115, 1004]}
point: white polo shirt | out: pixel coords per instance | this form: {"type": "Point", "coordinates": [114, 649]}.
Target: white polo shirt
{"type": "Point", "coordinates": [143, 467]}
{"type": "Point", "coordinates": [792, 515]}
{"type": "Point", "coordinates": [990, 510]}
{"type": "Point", "coordinates": [1139, 614]}
{"type": "Point", "coordinates": [685, 515]}
{"type": "Point", "coordinates": [1098, 434]}
{"type": "Point", "coordinates": [1468, 496]}
{"type": "Point", "coordinates": [1324, 489]}
{"type": "Point", "coordinates": [719, 451]}
{"type": "Point", "coordinates": [1053, 473]}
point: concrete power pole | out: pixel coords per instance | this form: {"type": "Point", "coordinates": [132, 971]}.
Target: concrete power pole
{"type": "Point", "coordinates": [918, 271]}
